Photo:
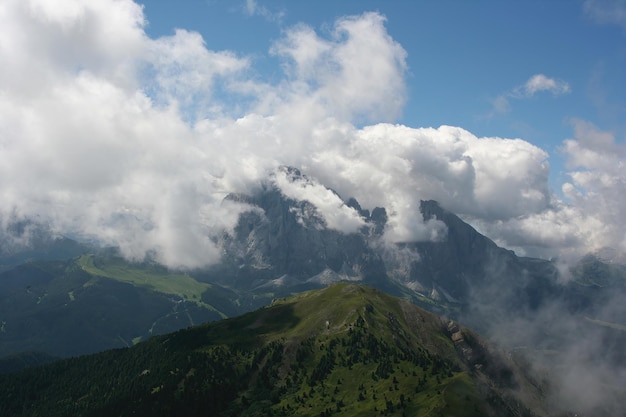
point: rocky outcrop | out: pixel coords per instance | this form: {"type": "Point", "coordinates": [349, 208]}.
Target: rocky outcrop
{"type": "Point", "coordinates": [464, 349]}
{"type": "Point", "coordinates": [282, 237]}
{"type": "Point", "coordinates": [283, 244]}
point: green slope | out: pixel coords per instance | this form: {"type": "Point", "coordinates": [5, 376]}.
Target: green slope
{"type": "Point", "coordinates": [346, 350]}
{"type": "Point", "coordinates": [159, 280]}
{"type": "Point", "coordinates": [94, 302]}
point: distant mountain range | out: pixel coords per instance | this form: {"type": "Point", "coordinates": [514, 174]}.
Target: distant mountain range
{"type": "Point", "coordinates": [60, 298]}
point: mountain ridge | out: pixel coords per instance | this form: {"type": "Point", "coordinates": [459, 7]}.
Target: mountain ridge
{"type": "Point", "coordinates": [569, 329]}
{"type": "Point", "coordinates": [273, 252]}
{"type": "Point", "coordinates": [343, 350]}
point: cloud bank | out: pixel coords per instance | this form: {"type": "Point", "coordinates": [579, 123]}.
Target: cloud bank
{"type": "Point", "coordinates": [108, 134]}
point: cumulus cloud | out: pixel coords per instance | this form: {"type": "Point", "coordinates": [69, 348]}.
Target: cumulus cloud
{"type": "Point", "coordinates": [535, 84]}
{"type": "Point", "coordinates": [112, 135]}
{"type": "Point", "coordinates": [397, 166]}
{"type": "Point", "coordinates": [590, 220]}
{"type": "Point", "coordinates": [598, 181]}
{"type": "Point", "coordinates": [183, 72]}
{"type": "Point", "coordinates": [109, 134]}
{"type": "Point", "coordinates": [84, 145]}
{"type": "Point", "coordinates": [340, 74]}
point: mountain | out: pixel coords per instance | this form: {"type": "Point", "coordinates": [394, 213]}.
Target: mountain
{"type": "Point", "coordinates": [283, 245]}
{"type": "Point", "coordinates": [567, 325]}
{"type": "Point", "coordinates": [344, 350]}
{"type": "Point", "coordinates": [85, 300]}
{"type": "Point", "coordinates": [96, 302]}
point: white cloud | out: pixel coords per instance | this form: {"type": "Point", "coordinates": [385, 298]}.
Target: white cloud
{"type": "Point", "coordinates": [340, 74]}
{"type": "Point", "coordinates": [83, 145]}
{"type": "Point", "coordinates": [598, 183]}
{"type": "Point", "coordinates": [184, 71]}
{"type": "Point", "coordinates": [336, 214]}
{"type": "Point", "coordinates": [397, 166]}
{"type": "Point", "coordinates": [98, 135]}
{"type": "Point", "coordinates": [43, 41]}
{"type": "Point", "coordinates": [535, 84]}
{"type": "Point", "coordinates": [592, 219]}
{"type": "Point", "coordinates": [108, 133]}
{"type": "Point", "coordinates": [540, 82]}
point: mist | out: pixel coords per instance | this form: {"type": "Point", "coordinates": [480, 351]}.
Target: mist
{"type": "Point", "coordinates": [565, 336]}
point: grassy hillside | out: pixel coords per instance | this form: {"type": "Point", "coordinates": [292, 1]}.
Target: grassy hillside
{"type": "Point", "coordinates": [157, 279]}
{"type": "Point", "coordinates": [346, 350]}
{"type": "Point", "coordinates": [94, 302]}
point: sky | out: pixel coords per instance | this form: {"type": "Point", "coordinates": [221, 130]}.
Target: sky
{"type": "Point", "coordinates": [128, 122]}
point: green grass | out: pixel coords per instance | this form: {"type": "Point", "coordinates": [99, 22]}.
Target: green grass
{"type": "Point", "coordinates": [162, 281]}
{"type": "Point", "coordinates": [332, 310]}
{"type": "Point", "coordinates": [326, 317]}
{"type": "Point", "coordinates": [409, 390]}
{"type": "Point", "coordinates": [361, 395]}
{"type": "Point", "coordinates": [460, 397]}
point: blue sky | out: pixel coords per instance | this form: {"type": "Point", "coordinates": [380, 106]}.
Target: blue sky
{"type": "Point", "coordinates": [128, 122]}
{"type": "Point", "coordinates": [461, 57]}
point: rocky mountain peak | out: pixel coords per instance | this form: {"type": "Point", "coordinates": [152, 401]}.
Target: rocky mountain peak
{"type": "Point", "coordinates": [282, 243]}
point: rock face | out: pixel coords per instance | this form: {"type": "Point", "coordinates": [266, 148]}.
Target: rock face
{"type": "Point", "coordinates": [470, 270]}
{"type": "Point", "coordinates": [282, 245]}
{"type": "Point", "coordinates": [283, 242]}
